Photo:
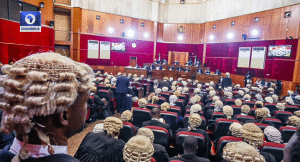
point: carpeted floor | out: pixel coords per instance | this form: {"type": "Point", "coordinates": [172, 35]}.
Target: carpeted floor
{"type": "Point", "coordinates": [75, 141]}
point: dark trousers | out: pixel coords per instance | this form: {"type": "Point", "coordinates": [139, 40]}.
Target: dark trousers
{"type": "Point", "coordinates": [121, 105]}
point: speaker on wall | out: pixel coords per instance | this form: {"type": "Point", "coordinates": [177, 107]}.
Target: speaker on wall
{"type": "Point", "coordinates": [51, 23]}
{"type": "Point", "coordinates": [244, 36]}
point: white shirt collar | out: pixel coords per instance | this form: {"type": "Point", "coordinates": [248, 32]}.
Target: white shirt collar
{"type": "Point", "coordinates": [36, 151]}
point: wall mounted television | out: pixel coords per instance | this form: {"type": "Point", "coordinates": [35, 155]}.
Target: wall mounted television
{"type": "Point", "coordinates": [280, 51]}
{"type": "Point", "coordinates": [118, 47]}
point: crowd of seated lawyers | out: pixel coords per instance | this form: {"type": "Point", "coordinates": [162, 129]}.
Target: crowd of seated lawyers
{"type": "Point", "coordinates": [198, 122]}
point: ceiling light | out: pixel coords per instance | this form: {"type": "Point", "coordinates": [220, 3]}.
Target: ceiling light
{"type": "Point", "coordinates": [130, 33]}
{"type": "Point", "coordinates": [214, 26]}
{"type": "Point", "coordinates": [146, 35]}
{"type": "Point", "coordinates": [110, 30]}
{"type": "Point", "coordinates": [232, 23]}
{"type": "Point", "coordinates": [180, 37]}
{"type": "Point", "coordinates": [211, 37]}
{"type": "Point", "coordinates": [182, 1]}
{"type": "Point", "coordinates": [256, 20]}
{"type": "Point", "coordinates": [254, 32]}
{"type": "Point", "coordinates": [230, 35]}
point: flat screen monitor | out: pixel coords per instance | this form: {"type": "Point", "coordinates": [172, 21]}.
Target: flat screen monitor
{"type": "Point", "coordinates": [118, 47]}
{"type": "Point", "coordinates": [280, 51]}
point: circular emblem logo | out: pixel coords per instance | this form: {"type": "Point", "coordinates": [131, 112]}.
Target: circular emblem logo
{"type": "Point", "coordinates": [30, 19]}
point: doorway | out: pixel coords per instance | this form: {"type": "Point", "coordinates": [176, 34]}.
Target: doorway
{"type": "Point", "coordinates": [133, 61]}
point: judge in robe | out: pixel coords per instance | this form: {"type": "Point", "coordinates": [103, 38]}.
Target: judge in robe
{"type": "Point", "coordinates": [248, 78]}
{"type": "Point", "coordinates": [198, 63]}
{"type": "Point", "coordinates": [217, 72]}
{"type": "Point", "coordinates": [207, 71]}
{"type": "Point", "coordinates": [171, 68]}
{"type": "Point", "coordinates": [187, 69]}
{"type": "Point", "coordinates": [176, 62]}
{"type": "Point", "coordinates": [190, 62]}
{"type": "Point", "coordinates": [160, 67]}
{"type": "Point", "coordinates": [104, 146]}
{"type": "Point", "coordinates": [199, 71]}
{"type": "Point", "coordinates": [164, 61]}
{"type": "Point", "coordinates": [227, 82]}
{"type": "Point", "coordinates": [179, 68]}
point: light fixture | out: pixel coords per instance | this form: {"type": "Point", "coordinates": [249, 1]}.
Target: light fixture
{"type": "Point", "coordinates": [42, 4]}
{"type": "Point", "coordinates": [110, 30]}
{"type": "Point", "coordinates": [121, 21]}
{"type": "Point", "coordinates": [211, 37]}
{"type": "Point", "coordinates": [142, 24]}
{"type": "Point", "coordinates": [232, 23]}
{"type": "Point", "coordinates": [254, 32]}
{"type": "Point", "coordinates": [130, 33]}
{"type": "Point", "coordinates": [180, 37]}
{"type": "Point", "coordinates": [214, 26]}
{"type": "Point", "coordinates": [97, 17]}
{"type": "Point", "coordinates": [287, 14]}
{"type": "Point", "coordinates": [182, 1]}
{"type": "Point", "coordinates": [230, 35]}
{"type": "Point", "coordinates": [256, 20]}
{"type": "Point", "coordinates": [146, 35]}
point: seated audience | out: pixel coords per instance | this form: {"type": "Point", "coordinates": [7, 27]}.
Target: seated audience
{"type": "Point", "coordinates": [261, 114]}
{"type": "Point", "coordinates": [259, 97]}
{"type": "Point", "coordinates": [160, 153]}
{"type": "Point", "coordinates": [126, 117]}
{"type": "Point", "coordinates": [165, 106]}
{"type": "Point", "coordinates": [190, 146]}
{"type": "Point", "coordinates": [245, 110]}
{"type": "Point", "coordinates": [157, 121]}
{"type": "Point", "coordinates": [217, 108]}
{"type": "Point", "coordinates": [164, 89]}
{"type": "Point", "coordinates": [98, 128]}
{"type": "Point", "coordinates": [269, 100]}
{"type": "Point", "coordinates": [275, 98]}
{"type": "Point", "coordinates": [297, 113]}
{"type": "Point", "coordinates": [54, 110]}
{"type": "Point", "coordinates": [235, 130]}
{"type": "Point", "coordinates": [104, 146]}
{"type": "Point", "coordinates": [240, 94]}
{"type": "Point", "coordinates": [238, 102]}
{"type": "Point", "coordinates": [247, 97]}
{"type": "Point", "coordinates": [293, 121]}
{"type": "Point", "coordinates": [193, 101]}
{"type": "Point", "coordinates": [142, 103]}
{"type": "Point", "coordinates": [138, 149]}
{"type": "Point", "coordinates": [173, 99]}
{"type": "Point", "coordinates": [165, 83]}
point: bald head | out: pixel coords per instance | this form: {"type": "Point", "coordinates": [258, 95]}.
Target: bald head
{"type": "Point", "coordinates": [155, 113]}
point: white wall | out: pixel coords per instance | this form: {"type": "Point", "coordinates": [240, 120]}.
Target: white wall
{"type": "Point", "coordinates": [171, 11]}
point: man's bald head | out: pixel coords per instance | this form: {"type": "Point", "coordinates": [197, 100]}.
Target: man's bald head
{"type": "Point", "coordinates": [155, 113]}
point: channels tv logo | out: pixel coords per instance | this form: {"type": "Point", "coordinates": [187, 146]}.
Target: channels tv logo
{"type": "Point", "coordinates": [30, 21]}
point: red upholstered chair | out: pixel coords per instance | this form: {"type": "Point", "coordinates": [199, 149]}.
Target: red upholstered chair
{"type": "Point", "coordinates": [127, 131]}
{"type": "Point", "coordinates": [170, 118]}
{"type": "Point", "coordinates": [291, 108]}
{"type": "Point", "coordinates": [217, 115]}
{"type": "Point", "coordinates": [222, 127]}
{"type": "Point", "coordinates": [166, 95]}
{"type": "Point", "coordinates": [186, 119]}
{"type": "Point", "coordinates": [200, 138]}
{"type": "Point", "coordinates": [101, 86]}
{"type": "Point", "coordinates": [135, 84]}
{"type": "Point", "coordinates": [276, 149]}
{"type": "Point", "coordinates": [242, 118]}
{"type": "Point", "coordinates": [223, 141]}
{"type": "Point", "coordinates": [261, 126]}
{"type": "Point", "coordinates": [250, 103]}
{"type": "Point", "coordinates": [176, 161]}
{"type": "Point", "coordinates": [140, 115]}
{"type": "Point", "coordinates": [161, 135]}
{"type": "Point", "coordinates": [151, 106]}
{"type": "Point", "coordinates": [183, 97]}
{"type": "Point", "coordinates": [283, 115]}
{"type": "Point", "coordinates": [180, 103]}
{"type": "Point", "coordinates": [105, 94]}
{"type": "Point", "coordinates": [287, 133]}
{"type": "Point", "coordinates": [277, 123]}
{"type": "Point", "coordinates": [229, 102]}
{"type": "Point", "coordinates": [209, 100]}
{"type": "Point", "coordinates": [161, 100]}
{"type": "Point", "coordinates": [135, 104]}
{"type": "Point", "coordinates": [271, 106]}
{"type": "Point", "coordinates": [175, 109]}
{"type": "Point", "coordinates": [236, 109]}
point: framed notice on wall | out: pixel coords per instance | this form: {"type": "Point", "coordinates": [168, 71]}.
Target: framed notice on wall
{"type": "Point", "coordinates": [244, 57]}
{"type": "Point", "coordinates": [93, 49]}
{"type": "Point", "coordinates": [258, 57]}
{"type": "Point", "coordinates": [104, 50]}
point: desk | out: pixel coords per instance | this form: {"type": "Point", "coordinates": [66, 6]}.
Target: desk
{"type": "Point", "coordinates": [138, 72]}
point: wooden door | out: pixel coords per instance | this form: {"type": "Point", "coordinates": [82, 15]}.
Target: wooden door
{"type": "Point", "coordinates": [181, 57]}
{"type": "Point", "coordinates": [133, 61]}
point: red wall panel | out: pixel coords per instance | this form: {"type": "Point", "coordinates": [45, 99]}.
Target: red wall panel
{"type": "Point", "coordinates": [15, 45]}
{"type": "Point", "coordinates": [275, 68]}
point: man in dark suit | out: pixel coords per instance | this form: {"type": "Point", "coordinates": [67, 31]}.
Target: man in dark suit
{"type": "Point", "coordinates": [122, 89]}
{"type": "Point", "coordinates": [164, 61]}
{"type": "Point", "coordinates": [155, 115]}
{"type": "Point", "coordinates": [190, 146]}
{"type": "Point", "coordinates": [198, 63]}
{"type": "Point", "coordinates": [165, 83]}
{"type": "Point", "coordinates": [187, 69]}
{"type": "Point", "coordinates": [247, 77]}
{"type": "Point", "coordinates": [199, 71]}
{"type": "Point", "coordinates": [176, 63]}
{"type": "Point", "coordinates": [218, 72]}
{"type": "Point", "coordinates": [227, 82]}
{"type": "Point", "coordinates": [171, 68]}
{"type": "Point", "coordinates": [190, 63]}
{"type": "Point", "coordinates": [179, 68]}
